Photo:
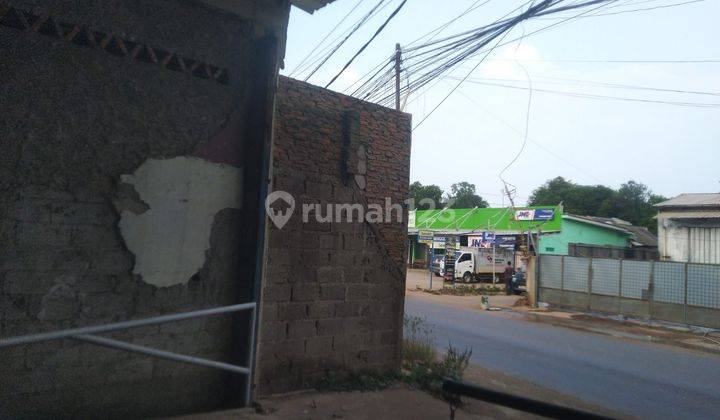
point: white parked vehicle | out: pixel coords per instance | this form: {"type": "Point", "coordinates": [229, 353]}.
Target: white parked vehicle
{"type": "Point", "coordinates": [476, 263]}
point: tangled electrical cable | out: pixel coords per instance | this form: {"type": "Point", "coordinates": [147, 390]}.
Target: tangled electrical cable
{"type": "Point", "coordinates": [426, 62]}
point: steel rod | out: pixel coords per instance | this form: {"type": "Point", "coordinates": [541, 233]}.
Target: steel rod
{"type": "Point", "coordinates": [251, 355]}
{"type": "Point", "coordinates": [516, 402]}
{"type": "Point", "coordinates": [162, 354]}
{"type": "Point", "coordinates": [53, 335]}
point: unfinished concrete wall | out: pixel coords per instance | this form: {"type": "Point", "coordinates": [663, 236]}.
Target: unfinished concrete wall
{"type": "Point", "coordinates": [132, 143]}
{"type": "Point", "coordinates": [333, 292]}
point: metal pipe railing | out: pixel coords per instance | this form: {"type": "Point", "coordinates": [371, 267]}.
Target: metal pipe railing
{"type": "Point", "coordinates": [162, 354]}
{"type": "Point", "coordinates": [527, 405]}
{"type": "Point", "coordinates": [85, 334]}
{"type": "Point", "coordinates": [54, 335]}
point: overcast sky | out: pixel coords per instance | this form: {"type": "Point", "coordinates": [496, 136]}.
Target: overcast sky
{"type": "Point", "coordinates": [479, 129]}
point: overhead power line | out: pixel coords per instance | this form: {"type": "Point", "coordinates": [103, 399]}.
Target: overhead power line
{"type": "Point", "coordinates": [541, 9]}
{"type": "Point", "coordinates": [608, 97]}
{"type": "Point", "coordinates": [340, 44]}
{"type": "Point", "coordinates": [532, 140]}
{"type": "Point", "coordinates": [435, 32]}
{"type": "Point", "coordinates": [527, 130]}
{"type": "Point", "coordinates": [339, 41]}
{"type": "Point", "coordinates": [645, 9]}
{"type": "Point", "coordinates": [591, 83]}
{"type": "Point", "coordinates": [377, 32]}
{"type": "Point", "coordinates": [600, 60]}
{"type": "Point", "coordinates": [433, 59]}
{"type": "Point", "coordinates": [307, 57]}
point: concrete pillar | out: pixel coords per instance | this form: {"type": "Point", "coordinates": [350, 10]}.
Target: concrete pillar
{"type": "Point", "coordinates": [531, 279]}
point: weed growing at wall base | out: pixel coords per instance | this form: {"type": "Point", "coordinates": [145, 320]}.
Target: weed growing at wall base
{"type": "Point", "coordinates": [422, 367]}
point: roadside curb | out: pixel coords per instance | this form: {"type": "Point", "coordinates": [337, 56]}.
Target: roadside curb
{"type": "Point", "coordinates": [675, 335]}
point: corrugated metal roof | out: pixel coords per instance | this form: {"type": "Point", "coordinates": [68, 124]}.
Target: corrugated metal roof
{"type": "Point", "coordinates": [642, 236]}
{"type": "Point", "coordinates": [311, 5]}
{"type": "Point", "coordinates": [639, 234]}
{"type": "Point", "coordinates": [241, 7]}
{"type": "Point", "coordinates": [604, 222]}
{"type": "Point", "coordinates": [692, 200]}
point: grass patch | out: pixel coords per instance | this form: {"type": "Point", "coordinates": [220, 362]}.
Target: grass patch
{"type": "Point", "coordinates": [417, 345]}
{"type": "Point", "coordinates": [422, 366]}
{"type": "Point", "coordinates": [361, 381]}
{"type": "Point", "coordinates": [468, 290]}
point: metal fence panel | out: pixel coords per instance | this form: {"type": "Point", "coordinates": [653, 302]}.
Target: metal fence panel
{"type": "Point", "coordinates": [682, 292]}
{"type": "Point", "coordinates": [669, 282]}
{"type": "Point", "coordinates": [635, 279]}
{"type": "Point", "coordinates": [551, 271]}
{"type": "Point", "coordinates": [703, 284]}
{"type": "Point", "coordinates": [606, 277]}
{"type": "Point", "coordinates": [576, 273]}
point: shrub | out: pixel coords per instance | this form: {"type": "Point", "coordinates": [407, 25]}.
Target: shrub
{"type": "Point", "coordinates": [359, 381]}
{"type": "Point", "coordinates": [467, 290]}
{"type": "Point", "coordinates": [421, 365]}
{"type": "Point", "coordinates": [418, 344]}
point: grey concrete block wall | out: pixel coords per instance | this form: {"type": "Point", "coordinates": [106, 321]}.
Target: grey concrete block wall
{"type": "Point", "coordinates": [74, 119]}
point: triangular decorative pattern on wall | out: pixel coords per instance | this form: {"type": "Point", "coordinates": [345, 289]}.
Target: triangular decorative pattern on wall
{"type": "Point", "coordinates": [45, 24]}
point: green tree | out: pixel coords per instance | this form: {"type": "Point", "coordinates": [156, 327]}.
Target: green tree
{"type": "Point", "coordinates": [633, 201]}
{"type": "Point", "coordinates": [551, 192]}
{"type": "Point", "coordinates": [420, 192]}
{"type": "Point", "coordinates": [576, 199]}
{"type": "Point", "coordinates": [462, 196]}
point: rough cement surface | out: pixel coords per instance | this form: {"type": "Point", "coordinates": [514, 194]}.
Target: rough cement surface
{"type": "Point", "coordinates": [73, 119]}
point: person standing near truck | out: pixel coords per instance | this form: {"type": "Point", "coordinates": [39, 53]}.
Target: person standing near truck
{"type": "Point", "coordinates": [507, 276]}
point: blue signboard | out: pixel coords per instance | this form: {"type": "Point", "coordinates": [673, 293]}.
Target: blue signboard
{"type": "Point", "coordinates": [534, 214]}
{"type": "Point", "coordinates": [505, 240]}
{"type": "Point", "coordinates": [544, 214]}
{"type": "Point", "coordinates": [488, 239]}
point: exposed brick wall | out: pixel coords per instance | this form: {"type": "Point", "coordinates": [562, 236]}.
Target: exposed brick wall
{"type": "Point", "coordinates": [333, 292]}
{"type": "Point", "coordinates": [73, 119]}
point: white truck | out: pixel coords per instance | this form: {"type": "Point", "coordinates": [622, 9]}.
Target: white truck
{"type": "Point", "coordinates": [478, 263]}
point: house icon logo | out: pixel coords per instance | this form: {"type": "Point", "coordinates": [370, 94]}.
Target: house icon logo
{"type": "Point", "coordinates": [279, 206]}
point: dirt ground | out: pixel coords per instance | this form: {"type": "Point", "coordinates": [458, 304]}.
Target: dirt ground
{"type": "Point", "coordinates": [398, 402]}
{"type": "Point", "coordinates": [419, 279]}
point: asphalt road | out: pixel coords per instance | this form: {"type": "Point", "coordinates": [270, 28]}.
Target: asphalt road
{"type": "Point", "coordinates": [627, 376]}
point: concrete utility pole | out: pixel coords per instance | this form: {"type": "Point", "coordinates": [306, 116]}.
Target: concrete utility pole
{"type": "Point", "coordinates": [398, 57]}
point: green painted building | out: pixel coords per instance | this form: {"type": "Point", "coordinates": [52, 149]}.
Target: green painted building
{"type": "Point", "coordinates": [556, 233]}
{"type": "Point", "coordinates": [470, 223]}
{"type": "Point", "coordinates": [586, 231]}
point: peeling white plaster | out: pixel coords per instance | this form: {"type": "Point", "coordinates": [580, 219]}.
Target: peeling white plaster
{"type": "Point", "coordinates": [184, 194]}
